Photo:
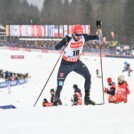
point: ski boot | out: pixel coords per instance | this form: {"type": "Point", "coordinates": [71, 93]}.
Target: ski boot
{"type": "Point", "coordinates": [87, 100]}
{"type": "Point", "coordinates": [57, 103]}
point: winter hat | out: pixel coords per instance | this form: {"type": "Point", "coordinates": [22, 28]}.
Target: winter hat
{"type": "Point", "coordinates": [45, 100]}
{"type": "Point", "coordinates": [121, 78]}
{"type": "Point", "coordinates": [75, 86]}
{"type": "Point", "coordinates": [109, 79]}
{"type": "Point", "coordinates": [52, 90]}
{"type": "Point", "coordinates": [125, 62]}
{"type": "Point", "coordinates": [78, 29]}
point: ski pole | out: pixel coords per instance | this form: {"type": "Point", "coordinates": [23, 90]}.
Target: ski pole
{"type": "Point", "coordinates": [48, 79]}
{"type": "Point", "coordinates": [102, 81]}
{"type": "Point", "coordinates": [98, 24]}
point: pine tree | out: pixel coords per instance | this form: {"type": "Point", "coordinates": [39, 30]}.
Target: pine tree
{"type": "Point", "coordinates": [129, 23]}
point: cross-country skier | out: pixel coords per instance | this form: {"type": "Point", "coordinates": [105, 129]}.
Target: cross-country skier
{"type": "Point", "coordinates": [77, 97]}
{"type": "Point", "coordinates": [110, 90]}
{"type": "Point", "coordinates": [127, 68]}
{"type": "Point", "coordinates": [73, 44]}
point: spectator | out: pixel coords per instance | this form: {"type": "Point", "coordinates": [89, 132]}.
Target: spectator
{"type": "Point", "coordinates": [77, 97]}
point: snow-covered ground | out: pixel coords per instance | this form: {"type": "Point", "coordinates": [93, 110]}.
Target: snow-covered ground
{"type": "Point", "coordinates": [27, 119]}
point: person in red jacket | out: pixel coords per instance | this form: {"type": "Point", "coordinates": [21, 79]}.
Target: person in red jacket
{"type": "Point", "coordinates": [122, 90]}
{"type": "Point", "coordinates": [51, 103]}
{"type": "Point", "coordinates": [110, 90]}
{"type": "Point", "coordinates": [46, 103]}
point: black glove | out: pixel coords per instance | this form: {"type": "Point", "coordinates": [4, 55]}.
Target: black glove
{"type": "Point", "coordinates": [98, 23]}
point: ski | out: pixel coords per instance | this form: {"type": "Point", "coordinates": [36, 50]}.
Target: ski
{"type": "Point", "coordinates": [99, 104]}
{"type": "Point", "coordinates": [95, 104]}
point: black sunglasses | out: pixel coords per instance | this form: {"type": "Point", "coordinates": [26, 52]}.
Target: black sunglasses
{"type": "Point", "coordinates": [78, 35]}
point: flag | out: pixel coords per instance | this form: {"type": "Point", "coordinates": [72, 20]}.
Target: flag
{"type": "Point", "coordinates": [52, 30]}
{"type": "Point", "coordinates": [84, 28]}
{"type": "Point", "coordinates": [49, 30]}
{"type": "Point", "coordinates": [61, 31]}
{"type": "Point", "coordinates": [7, 30]}
{"type": "Point", "coordinates": [14, 30]}
{"type": "Point", "coordinates": [113, 35]}
{"type": "Point", "coordinates": [87, 29]}
{"type": "Point", "coordinates": [33, 30]}
{"type": "Point", "coordinates": [70, 29]}
{"type": "Point", "coordinates": [65, 30]}
{"type": "Point", "coordinates": [42, 30]}
{"type": "Point", "coordinates": [38, 31]}
{"type": "Point", "coordinates": [23, 31]}
{"type": "Point", "coordinates": [56, 31]}
{"type": "Point", "coordinates": [45, 30]}
{"type": "Point", "coordinates": [29, 31]}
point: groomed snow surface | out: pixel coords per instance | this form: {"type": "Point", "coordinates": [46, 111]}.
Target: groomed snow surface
{"type": "Point", "coordinates": [27, 119]}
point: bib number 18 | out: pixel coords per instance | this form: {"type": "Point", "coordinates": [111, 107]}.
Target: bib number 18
{"type": "Point", "coordinates": [76, 53]}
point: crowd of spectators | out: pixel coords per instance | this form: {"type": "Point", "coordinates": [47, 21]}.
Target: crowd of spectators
{"type": "Point", "coordinates": [38, 44]}
{"type": "Point", "coordinates": [91, 46]}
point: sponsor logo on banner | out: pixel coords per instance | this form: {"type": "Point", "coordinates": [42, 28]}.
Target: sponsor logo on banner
{"type": "Point", "coordinates": [3, 84]}
{"type": "Point", "coordinates": [44, 50]}
{"type": "Point", "coordinates": [13, 83]}
{"type": "Point", "coordinates": [13, 48]}
{"type": "Point", "coordinates": [27, 49]}
{"type": "Point", "coordinates": [21, 81]}
{"type": "Point", "coordinates": [17, 56]}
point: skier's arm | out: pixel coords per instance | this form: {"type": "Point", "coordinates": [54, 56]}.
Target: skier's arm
{"type": "Point", "coordinates": [90, 37]}
{"type": "Point", "coordinates": [98, 32]}
{"type": "Point", "coordinates": [63, 42]}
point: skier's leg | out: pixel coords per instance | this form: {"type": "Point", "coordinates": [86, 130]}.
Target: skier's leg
{"type": "Point", "coordinates": [62, 74]}
{"type": "Point", "coordinates": [83, 70]}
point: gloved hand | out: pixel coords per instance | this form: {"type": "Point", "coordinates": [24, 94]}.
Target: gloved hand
{"type": "Point", "coordinates": [98, 24]}
{"type": "Point", "coordinates": [105, 90]}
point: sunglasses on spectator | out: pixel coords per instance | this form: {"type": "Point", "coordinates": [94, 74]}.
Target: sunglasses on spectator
{"type": "Point", "coordinates": [78, 35]}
